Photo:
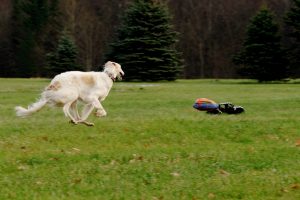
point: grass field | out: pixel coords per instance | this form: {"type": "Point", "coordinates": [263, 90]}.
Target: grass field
{"type": "Point", "coordinates": [154, 145]}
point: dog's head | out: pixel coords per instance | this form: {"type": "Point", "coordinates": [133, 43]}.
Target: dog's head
{"type": "Point", "coordinates": [114, 70]}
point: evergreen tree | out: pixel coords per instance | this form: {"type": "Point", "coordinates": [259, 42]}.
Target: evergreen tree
{"type": "Point", "coordinates": [145, 45]}
{"type": "Point", "coordinates": [262, 57]}
{"type": "Point", "coordinates": [30, 17]}
{"type": "Point", "coordinates": [64, 57]}
{"type": "Point", "coordinates": [293, 21]}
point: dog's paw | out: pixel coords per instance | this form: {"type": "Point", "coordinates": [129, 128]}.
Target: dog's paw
{"type": "Point", "coordinates": [72, 122]}
{"type": "Point", "coordinates": [88, 123]}
{"type": "Point", "coordinates": [101, 113]}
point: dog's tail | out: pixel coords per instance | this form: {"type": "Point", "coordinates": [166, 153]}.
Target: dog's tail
{"type": "Point", "coordinates": [23, 112]}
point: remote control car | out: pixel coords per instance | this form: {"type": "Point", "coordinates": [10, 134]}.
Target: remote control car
{"type": "Point", "coordinates": [211, 107]}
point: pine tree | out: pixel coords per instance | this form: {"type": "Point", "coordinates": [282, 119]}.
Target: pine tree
{"type": "Point", "coordinates": [64, 57]}
{"type": "Point", "coordinates": [30, 17]}
{"type": "Point", "coordinates": [262, 57]}
{"type": "Point", "coordinates": [293, 21]}
{"type": "Point", "coordinates": [145, 44]}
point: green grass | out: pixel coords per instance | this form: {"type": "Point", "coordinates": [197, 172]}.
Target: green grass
{"type": "Point", "coordinates": [153, 144]}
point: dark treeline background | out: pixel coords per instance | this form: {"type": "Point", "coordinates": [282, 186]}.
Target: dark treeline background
{"type": "Point", "coordinates": [211, 31]}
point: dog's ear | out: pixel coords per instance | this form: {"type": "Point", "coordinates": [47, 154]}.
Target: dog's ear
{"type": "Point", "coordinates": [106, 63]}
{"type": "Point", "coordinates": [111, 63]}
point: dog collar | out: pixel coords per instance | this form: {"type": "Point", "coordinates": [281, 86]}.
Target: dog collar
{"type": "Point", "coordinates": [111, 76]}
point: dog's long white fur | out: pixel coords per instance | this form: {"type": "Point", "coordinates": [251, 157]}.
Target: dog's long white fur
{"type": "Point", "coordinates": [23, 112]}
{"type": "Point", "coordinates": [67, 88]}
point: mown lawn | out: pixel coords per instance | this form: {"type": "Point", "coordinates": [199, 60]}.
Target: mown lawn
{"type": "Point", "coordinates": [154, 145]}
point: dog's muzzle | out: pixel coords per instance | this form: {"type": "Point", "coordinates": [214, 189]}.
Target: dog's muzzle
{"type": "Point", "coordinates": [121, 75]}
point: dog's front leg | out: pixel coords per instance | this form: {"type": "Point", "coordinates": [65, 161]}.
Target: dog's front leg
{"type": "Point", "coordinates": [101, 113]}
{"type": "Point", "coordinates": [100, 110]}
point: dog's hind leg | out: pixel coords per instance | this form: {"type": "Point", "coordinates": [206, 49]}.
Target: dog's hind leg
{"type": "Point", "coordinates": [74, 111]}
{"type": "Point", "coordinates": [87, 109]}
{"type": "Point", "coordinates": [66, 110]}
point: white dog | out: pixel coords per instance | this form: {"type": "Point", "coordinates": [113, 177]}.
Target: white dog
{"type": "Point", "coordinates": [67, 88]}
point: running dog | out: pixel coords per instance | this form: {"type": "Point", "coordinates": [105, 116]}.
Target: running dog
{"type": "Point", "coordinates": [67, 88]}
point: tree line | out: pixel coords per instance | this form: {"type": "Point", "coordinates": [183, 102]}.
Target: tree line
{"type": "Point", "coordinates": [35, 33]}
